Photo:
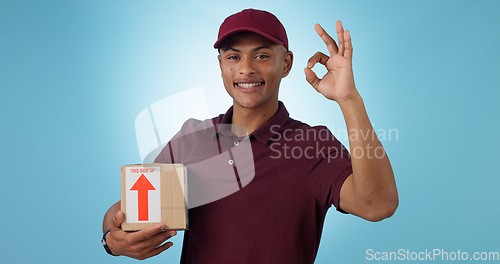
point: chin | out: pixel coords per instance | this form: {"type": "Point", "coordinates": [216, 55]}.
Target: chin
{"type": "Point", "coordinates": [247, 104]}
{"type": "Point", "coordinates": [252, 102]}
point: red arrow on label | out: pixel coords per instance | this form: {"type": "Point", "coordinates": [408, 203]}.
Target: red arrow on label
{"type": "Point", "coordinates": [142, 186]}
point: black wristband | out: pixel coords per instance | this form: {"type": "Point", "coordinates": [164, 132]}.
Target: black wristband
{"type": "Point", "coordinates": [105, 245]}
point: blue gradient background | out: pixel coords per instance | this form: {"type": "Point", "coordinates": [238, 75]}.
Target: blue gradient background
{"type": "Point", "coordinates": [74, 75]}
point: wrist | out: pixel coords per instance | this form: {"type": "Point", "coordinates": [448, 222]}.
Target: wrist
{"type": "Point", "coordinates": [350, 102]}
{"type": "Point", "coordinates": [105, 244]}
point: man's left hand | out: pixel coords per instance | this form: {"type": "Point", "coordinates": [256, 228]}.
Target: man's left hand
{"type": "Point", "coordinates": [338, 82]}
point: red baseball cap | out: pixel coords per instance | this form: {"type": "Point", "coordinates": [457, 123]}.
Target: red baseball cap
{"type": "Point", "coordinates": [258, 21]}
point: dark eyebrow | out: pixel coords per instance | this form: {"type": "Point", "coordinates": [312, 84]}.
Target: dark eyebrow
{"type": "Point", "coordinates": [230, 48]}
{"type": "Point", "coordinates": [237, 50]}
{"type": "Point", "coordinates": [261, 47]}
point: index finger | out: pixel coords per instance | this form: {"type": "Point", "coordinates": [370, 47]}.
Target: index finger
{"type": "Point", "coordinates": [148, 232]}
{"type": "Point", "coordinates": [330, 43]}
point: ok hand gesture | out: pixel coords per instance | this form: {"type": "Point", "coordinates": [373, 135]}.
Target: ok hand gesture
{"type": "Point", "coordinates": [338, 82]}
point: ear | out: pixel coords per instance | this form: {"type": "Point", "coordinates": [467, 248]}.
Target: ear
{"type": "Point", "coordinates": [287, 63]}
{"type": "Point", "coordinates": [220, 63]}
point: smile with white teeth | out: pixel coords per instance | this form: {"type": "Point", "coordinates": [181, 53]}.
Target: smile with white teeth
{"type": "Point", "coordinates": [249, 85]}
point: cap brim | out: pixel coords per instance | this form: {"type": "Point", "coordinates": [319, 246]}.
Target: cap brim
{"type": "Point", "coordinates": [243, 29]}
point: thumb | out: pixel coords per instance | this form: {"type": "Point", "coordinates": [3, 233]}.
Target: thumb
{"type": "Point", "coordinates": [117, 219]}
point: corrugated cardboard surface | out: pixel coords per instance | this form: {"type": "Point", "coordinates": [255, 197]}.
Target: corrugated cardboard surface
{"type": "Point", "coordinates": [173, 203]}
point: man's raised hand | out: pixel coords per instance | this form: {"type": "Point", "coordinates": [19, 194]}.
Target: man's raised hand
{"type": "Point", "coordinates": [338, 83]}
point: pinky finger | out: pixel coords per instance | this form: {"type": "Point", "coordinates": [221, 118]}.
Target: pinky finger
{"type": "Point", "coordinates": [161, 248]}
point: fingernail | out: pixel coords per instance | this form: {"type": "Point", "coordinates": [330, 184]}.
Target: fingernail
{"type": "Point", "coordinates": [173, 233]}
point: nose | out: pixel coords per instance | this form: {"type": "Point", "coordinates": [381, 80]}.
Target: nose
{"type": "Point", "coordinates": [246, 66]}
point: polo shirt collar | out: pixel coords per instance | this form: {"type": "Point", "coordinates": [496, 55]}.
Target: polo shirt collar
{"type": "Point", "coordinates": [263, 133]}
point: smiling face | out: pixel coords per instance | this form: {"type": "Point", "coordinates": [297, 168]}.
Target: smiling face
{"type": "Point", "coordinates": [252, 67]}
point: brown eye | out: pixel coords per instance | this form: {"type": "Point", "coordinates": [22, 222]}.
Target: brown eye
{"type": "Point", "coordinates": [261, 56]}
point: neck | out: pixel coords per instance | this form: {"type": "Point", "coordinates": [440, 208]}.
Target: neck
{"type": "Point", "coordinates": [253, 118]}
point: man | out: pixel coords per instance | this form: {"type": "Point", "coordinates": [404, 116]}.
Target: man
{"type": "Point", "coordinates": [278, 217]}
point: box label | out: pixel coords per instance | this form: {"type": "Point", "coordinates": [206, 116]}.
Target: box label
{"type": "Point", "coordinates": [143, 194]}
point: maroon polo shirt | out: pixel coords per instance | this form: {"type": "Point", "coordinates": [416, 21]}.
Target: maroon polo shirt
{"type": "Point", "coordinates": [261, 198]}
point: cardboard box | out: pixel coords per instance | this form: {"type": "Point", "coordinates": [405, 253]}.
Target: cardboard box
{"type": "Point", "coordinates": [154, 193]}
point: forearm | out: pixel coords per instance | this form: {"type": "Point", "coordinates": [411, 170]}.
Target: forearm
{"type": "Point", "coordinates": [373, 179]}
{"type": "Point", "coordinates": [108, 217]}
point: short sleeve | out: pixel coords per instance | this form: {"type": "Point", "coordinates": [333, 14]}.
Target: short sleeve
{"type": "Point", "coordinates": [328, 168]}
{"type": "Point", "coordinates": [185, 145]}
{"type": "Point", "coordinates": [171, 153]}
{"type": "Point", "coordinates": [166, 155]}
